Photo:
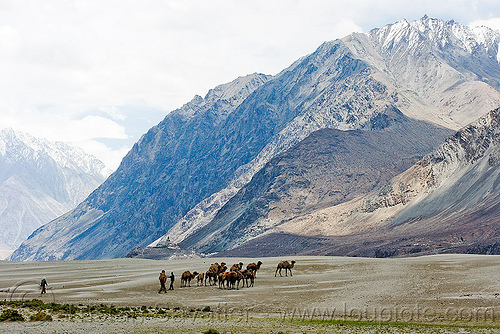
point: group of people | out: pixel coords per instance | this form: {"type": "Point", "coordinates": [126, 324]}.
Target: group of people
{"type": "Point", "coordinates": [163, 279]}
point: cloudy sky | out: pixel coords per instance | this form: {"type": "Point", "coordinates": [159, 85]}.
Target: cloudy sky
{"type": "Point", "coordinates": [98, 74]}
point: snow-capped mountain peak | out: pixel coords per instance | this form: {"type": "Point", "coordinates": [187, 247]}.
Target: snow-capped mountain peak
{"type": "Point", "coordinates": [438, 32]}
{"type": "Point", "coordinates": [64, 155]}
{"type": "Point", "coordinates": [40, 180]}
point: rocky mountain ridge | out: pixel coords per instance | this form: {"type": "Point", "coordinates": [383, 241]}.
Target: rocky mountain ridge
{"type": "Point", "coordinates": [420, 55]}
{"type": "Point", "coordinates": [183, 171]}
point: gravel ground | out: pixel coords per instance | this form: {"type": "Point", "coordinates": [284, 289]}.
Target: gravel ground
{"type": "Point", "coordinates": [450, 290]}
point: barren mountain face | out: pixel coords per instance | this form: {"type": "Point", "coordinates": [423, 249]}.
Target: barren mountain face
{"type": "Point", "coordinates": [248, 159]}
{"type": "Point", "coordinates": [447, 202]}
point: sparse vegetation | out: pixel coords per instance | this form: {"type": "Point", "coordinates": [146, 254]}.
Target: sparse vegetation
{"type": "Point", "coordinates": [11, 315]}
{"type": "Point", "coordinates": [41, 316]}
{"type": "Point", "coordinates": [211, 331]}
{"type": "Point", "coordinates": [16, 309]}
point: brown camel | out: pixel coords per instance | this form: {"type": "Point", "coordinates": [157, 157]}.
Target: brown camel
{"type": "Point", "coordinates": [234, 278]}
{"type": "Point", "coordinates": [213, 272]}
{"type": "Point", "coordinates": [186, 277]}
{"type": "Point", "coordinates": [223, 279]}
{"type": "Point", "coordinates": [254, 267]}
{"type": "Point", "coordinates": [200, 279]}
{"type": "Point", "coordinates": [284, 265]}
{"type": "Point", "coordinates": [248, 274]}
{"type": "Point", "coordinates": [236, 267]}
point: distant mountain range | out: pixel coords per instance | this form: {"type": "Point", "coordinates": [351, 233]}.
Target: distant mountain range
{"type": "Point", "coordinates": [321, 158]}
{"type": "Point", "coordinates": [39, 181]}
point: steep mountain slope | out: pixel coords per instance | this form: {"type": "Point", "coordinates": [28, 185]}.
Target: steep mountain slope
{"type": "Point", "coordinates": [198, 150]}
{"type": "Point", "coordinates": [39, 181]}
{"type": "Point", "coordinates": [176, 178]}
{"type": "Point", "coordinates": [437, 71]}
{"type": "Point", "coordinates": [449, 201]}
{"type": "Point", "coordinates": [327, 168]}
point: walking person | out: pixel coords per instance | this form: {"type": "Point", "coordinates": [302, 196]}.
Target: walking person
{"type": "Point", "coordinates": [43, 285]}
{"type": "Point", "coordinates": [163, 279]}
{"type": "Point", "coordinates": [172, 279]}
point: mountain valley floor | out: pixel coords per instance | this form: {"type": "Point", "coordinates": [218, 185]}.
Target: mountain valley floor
{"type": "Point", "coordinates": [438, 293]}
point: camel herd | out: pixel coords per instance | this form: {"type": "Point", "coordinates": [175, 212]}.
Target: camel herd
{"type": "Point", "coordinates": [218, 274]}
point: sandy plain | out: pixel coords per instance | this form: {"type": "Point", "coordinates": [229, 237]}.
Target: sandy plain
{"type": "Point", "coordinates": [456, 290]}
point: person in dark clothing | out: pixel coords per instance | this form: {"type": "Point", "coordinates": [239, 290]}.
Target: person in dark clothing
{"type": "Point", "coordinates": [43, 285]}
{"type": "Point", "coordinates": [172, 279]}
{"type": "Point", "coordinates": [163, 279]}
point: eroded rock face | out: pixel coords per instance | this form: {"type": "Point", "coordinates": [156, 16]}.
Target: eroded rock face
{"type": "Point", "coordinates": [449, 201]}
{"type": "Point", "coordinates": [474, 145]}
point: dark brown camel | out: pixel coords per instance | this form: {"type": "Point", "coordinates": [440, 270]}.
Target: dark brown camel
{"type": "Point", "coordinates": [213, 272]}
{"type": "Point", "coordinates": [254, 267]}
{"type": "Point", "coordinates": [234, 278]}
{"type": "Point", "coordinates": [236, 267]}
{"type": "Point", "coordinates": [248, 275]}
{"type": "Point", "coordinates": [284, 265]}
{"type": "Point", "coordinates": [186, 277]}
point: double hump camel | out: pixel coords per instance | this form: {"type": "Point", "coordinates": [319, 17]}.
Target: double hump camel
{"type": "Point", "coordinates": [186, 277]}
{"type": "Point", "coordinates": [284, 265]}
{"type": "Point", "coordinates": [227, 279]}
{"type": "Point", "coordinates": [213, 272]}
{"type": "Point", "coordinates": [253, 267]}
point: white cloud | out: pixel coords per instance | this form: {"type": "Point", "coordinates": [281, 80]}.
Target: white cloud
{"type": "Point", "coordinates": [493, 23]}
{"type": "Point", "coordinates": [111, 158]}
{"type": "Point", "coordinates": [114, 112]}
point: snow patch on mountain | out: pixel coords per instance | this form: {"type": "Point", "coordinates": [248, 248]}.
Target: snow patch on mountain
{"type": "Point", "coordinates": [440, 33]}
{"type": "Point", "coordinates": [3, 147]}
